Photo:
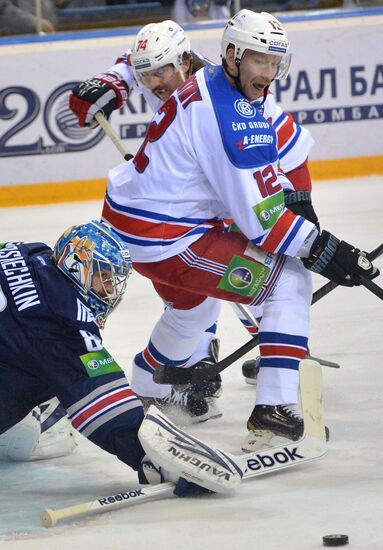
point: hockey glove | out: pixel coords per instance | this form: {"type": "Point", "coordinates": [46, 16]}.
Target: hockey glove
{"type": "Point", "coordinates": [339, 261]}
{"type": "Point", "coordinates": [299, 202]}
{"type": "Point", "coordinates": [151, 474]}
{"type": "Point", "coordinates": [104, 92]}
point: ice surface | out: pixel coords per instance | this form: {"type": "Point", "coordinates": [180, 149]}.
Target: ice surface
{"type": "Point", "coordinates": [290, 510]}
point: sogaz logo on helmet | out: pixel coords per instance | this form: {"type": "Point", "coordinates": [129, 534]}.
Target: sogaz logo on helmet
{"type": "Point", "coordinates": [278, 46]}
{"type": "Point", "coordinates": [244, 108]}
{"type": "Point", "coordinates": [240, 277]}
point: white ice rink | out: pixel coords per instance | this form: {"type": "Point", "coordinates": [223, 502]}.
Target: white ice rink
{"type": "Point", "coordinates": [290, 510]}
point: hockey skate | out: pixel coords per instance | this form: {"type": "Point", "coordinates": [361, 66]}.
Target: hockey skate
{"type": "Point", "coordinates": [194, 401]}
{"type": "Point", "coordinates": [250, 370]}
{"type": "Point", "coordinates": [268, 422]}
{"type": "Point", "coordinates": [271, 425]}
{"type": "Point", "coordinates": [212, 389]}
{"type": "Point", "coordinates": [197, 401]}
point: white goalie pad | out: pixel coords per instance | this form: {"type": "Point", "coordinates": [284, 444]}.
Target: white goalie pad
{"type": "Point", "coordinates": [186, 456]}
{"type": "Point", "coordinates": [45, 432]}
{"type": "Point", "coordinates": [57, 436]}
{"type": "Point", "coordinates": [19, 442]}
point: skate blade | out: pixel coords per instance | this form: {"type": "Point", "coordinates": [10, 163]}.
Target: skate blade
{"type": "Point", "coordinates": [258, 440]}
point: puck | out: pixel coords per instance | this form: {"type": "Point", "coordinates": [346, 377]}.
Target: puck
{"type": "Point", "coordinates": [335, 540]}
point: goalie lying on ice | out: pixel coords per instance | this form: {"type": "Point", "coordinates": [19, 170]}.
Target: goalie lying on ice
{"type": "Point", "coordinates": [51, 347]}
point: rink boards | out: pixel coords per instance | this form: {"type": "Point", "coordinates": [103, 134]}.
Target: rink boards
{"type": "Point", "coordinates": [335, 89]}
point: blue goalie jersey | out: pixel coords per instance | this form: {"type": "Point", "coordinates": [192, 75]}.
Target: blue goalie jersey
{"type": "Point", "coordinates": [50, 345]}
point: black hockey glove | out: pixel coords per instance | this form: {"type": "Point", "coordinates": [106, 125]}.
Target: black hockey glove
{"type": "Point", "coordinates": [339, 261]}
{"type": "Point", "coordinates": [104, 92]}
{"type": "Point", "coordinates": [299, 202]}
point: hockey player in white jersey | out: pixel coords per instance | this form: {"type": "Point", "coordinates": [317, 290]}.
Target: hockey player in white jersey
{"type": "Point", "coordinates": [209, 155]}
{"type": "Point", "coordinates": [161, 60]}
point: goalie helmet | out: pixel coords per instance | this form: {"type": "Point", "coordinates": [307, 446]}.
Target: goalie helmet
{"type": "Point", "coordinates": [159, 44]}
{"type": "Point", "coordinates": [95, 259]}
{"type": "Point", "coordinates": [260, 32]}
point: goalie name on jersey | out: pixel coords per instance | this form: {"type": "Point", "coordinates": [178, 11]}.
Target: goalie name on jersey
{"type": "Point", "coordinates": [19, 278]}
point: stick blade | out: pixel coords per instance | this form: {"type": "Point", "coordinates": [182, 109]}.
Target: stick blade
{"type": "Point", "coordinates": [310, 377]}
{"type": "Point", "coordinates": [165, 374]}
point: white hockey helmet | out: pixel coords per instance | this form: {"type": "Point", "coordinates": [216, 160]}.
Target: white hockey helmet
{"type": "Point", "coordinates": [159, 44]}
{"type": "Point", "coordinates": [260, 32]}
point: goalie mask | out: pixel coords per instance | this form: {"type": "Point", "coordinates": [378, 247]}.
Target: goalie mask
{"type": "Point", "coordinates": [95, 259]}
{"type": "Point", "coordinates": [260, 32]}
{"type": "Point", "coordinates": [157, 45]}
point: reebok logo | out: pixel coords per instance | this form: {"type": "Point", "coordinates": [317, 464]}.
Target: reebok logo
{"type": "Point", "coordinates": [121, 496]}
{"type": "Point", "coordinates": [264, 461]}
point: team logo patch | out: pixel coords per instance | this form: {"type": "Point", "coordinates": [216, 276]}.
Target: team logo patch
{"type": "Point", "coordinates": [244, 108]}
{"type": "Point", "coordinates": [269, 210]}
{"type": "Point", "coordinates": [98, 363]}
{"type": "Point", "coordinates": [245, 277]}
{"type": "Point", "coordinates": [93, 364]}
{"type": "Point", "coordinates": [264, 216]}
{"type": "Point", "coordinates": [240, 277]}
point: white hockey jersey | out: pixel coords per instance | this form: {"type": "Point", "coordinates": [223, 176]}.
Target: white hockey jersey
{"type": "Point", "coordinates": [294, 141]}
{"type": "Point", "coordinates": [208, 155]}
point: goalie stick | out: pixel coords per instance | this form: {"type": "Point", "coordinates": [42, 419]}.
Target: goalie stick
{"type": "Point", "coordinates": [311, 446]}
{"type": "Point", "coordinates": [165, 374]}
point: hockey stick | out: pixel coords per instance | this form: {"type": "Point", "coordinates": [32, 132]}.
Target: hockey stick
{"type": "Point", "coordinates": [165, 374]}
{"type": "Point", "coordinates": [116, 140]}
{"type": "Point", "coordinates": [103, 122]}
{"type": "Point", "coordinates": [311, 446]}
{"type": "Point", "coordinates": [372, 287]}
{"type": "Point", "coordinates": [194, 375]}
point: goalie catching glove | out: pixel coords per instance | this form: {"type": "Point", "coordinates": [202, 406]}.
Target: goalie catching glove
{"type": "Point", "coordinates": [339, 261]}
{"type": "Point", "coordinates": [103, 92]}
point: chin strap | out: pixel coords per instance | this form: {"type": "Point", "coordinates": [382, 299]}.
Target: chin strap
{"type": "Point", "coordinates": [237, 79]}
{"type": "Point", "coordinates": [265, 92]}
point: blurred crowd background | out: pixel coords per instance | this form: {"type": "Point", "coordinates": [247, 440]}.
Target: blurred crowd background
{"type": "Point", "coordinates": [22, 17]}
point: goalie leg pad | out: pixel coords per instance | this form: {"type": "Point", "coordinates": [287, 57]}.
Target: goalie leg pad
{"type": "Point", "coordinates": [186, 456]}
{"type": "Point", "coordinates": [57, 433]}
{"type": "Point", "coordinates": [19, 442]}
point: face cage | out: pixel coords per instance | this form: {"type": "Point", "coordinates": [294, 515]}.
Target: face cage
{"type": "Point", "coordinates": [104, 305]}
